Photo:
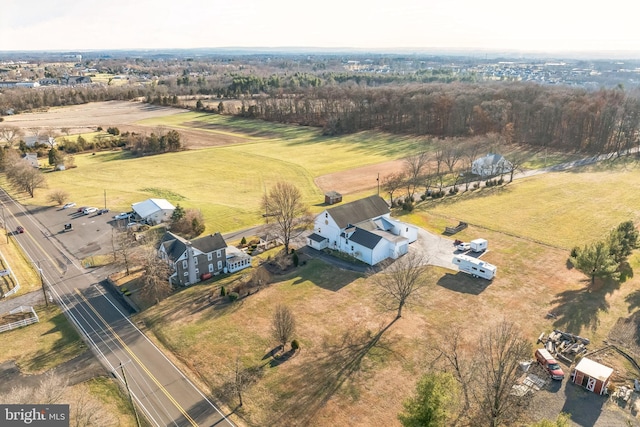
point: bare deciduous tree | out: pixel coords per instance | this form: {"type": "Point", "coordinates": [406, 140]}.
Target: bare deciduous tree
{"type": "Point", "coordinates": [391, 183]}
{"type": "Point", "coordinates": [283, 325]}
{"type": "Point", "coordinates": [24, 176]}
{"type": "Point", "coordinates": [124, 248]}
{"type": "Point", "coordinates": [500, 351]}
{"type": "Point", "coordinates": [401, 282]}
{"type": "Point", "coordinates": [459, 361]}
{"type": "Point", "coordinates": [10, 135]}
{"type": "Point", "coordinates": [414, 166]}
{"type": "Point", "coordinates": [284, 204]}
{"type": "Point", "coordinates": [58, 196]}
{"type": "Point", "coordinates": [155, 278]}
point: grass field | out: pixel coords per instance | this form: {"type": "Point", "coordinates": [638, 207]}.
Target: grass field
{"type": "Point", "coordinates": [560, 209]}
{"type": "Point", "coordinates": [530, 227]}
{"type": "Point", "coordinates": [52, 341]}
{"type": "Point", "coordinates": [226, 183]}
{"type": "Point", "coordinates": [42, 345]}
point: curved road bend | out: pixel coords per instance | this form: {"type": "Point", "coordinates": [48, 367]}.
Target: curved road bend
{"type": "Point", "coordinates": [162, 393]}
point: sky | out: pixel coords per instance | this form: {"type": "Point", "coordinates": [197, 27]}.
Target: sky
{"type": "Point", "coordinates": [534, 25]}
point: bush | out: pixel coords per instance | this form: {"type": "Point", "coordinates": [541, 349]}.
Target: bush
{"type": "Point", "coordinates": [233, 296]}
{"type": "Point", "coordinates": [423, 197]}
{"type": "Point", "coordinates": [574, 251]}
{"type": "Point", "coordinates": [295, 345]}
{"type": "Point", "coordinates": [407, 205]}
{"type": "Point", "coordinates": [295, 259]}
{"type": "Point", "coordinates": [223, 291]}
{"type": "Point", "coordinates": [243, 242]}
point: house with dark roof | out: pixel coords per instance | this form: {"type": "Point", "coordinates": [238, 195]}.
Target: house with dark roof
{"type": "Point", "coordinates": [363, 229]}
{"type": "Point", "coordinates": [196, 260]}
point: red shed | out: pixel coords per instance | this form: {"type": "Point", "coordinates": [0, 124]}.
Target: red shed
{"type": "Point", "coordinates": [592, 375]}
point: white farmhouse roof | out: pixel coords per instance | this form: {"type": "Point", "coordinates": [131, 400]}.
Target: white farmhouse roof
{"type": "Point", "coordinates": [151, 206]}
{"type": "Point", "coordinates": [594, 369]}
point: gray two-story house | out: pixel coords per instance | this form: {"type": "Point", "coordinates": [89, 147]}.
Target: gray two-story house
{"type": "Point", "coordinates": [193, 261]}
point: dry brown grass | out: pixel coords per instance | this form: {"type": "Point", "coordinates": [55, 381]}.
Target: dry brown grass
{"type": "Point", "coordinates": [336, 379]}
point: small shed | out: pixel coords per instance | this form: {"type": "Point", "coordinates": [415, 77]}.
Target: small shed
{"type": "Point", "coordinates": [592, 375]}
{"type": "Point", "coordinates": [332, 197]}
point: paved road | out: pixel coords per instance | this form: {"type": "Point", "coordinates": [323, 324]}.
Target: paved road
{"type": "Point", "coordinates": [162, 393]}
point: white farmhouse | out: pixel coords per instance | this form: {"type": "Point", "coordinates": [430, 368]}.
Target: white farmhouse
{"type": "Point", "coordinates": [490, 165]}
{"type": "Point", "coordinates": [153, 211]}
{"type": "Point", "coordinates": [363, 229]}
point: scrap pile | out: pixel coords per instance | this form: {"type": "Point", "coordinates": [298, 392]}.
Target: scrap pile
{"type": "Point", "coordinates": [564, 345]}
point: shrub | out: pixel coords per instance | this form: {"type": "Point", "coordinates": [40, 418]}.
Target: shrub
{"type": "Point", "coordinates": [423, 197]}
{"type": "Point", "coordinates": [243, 242]}
{"type": "Point", "coordinates": [233, 296]}
{"type": "Point", "coordinates": [407, 205]}
{"type": "Point", "coordinates": [574, 251]}
{"type": "Point", "coordinates": [295, 259]}
{"type": "Point", "coordinates": [223, 291]}
{"type": "Point", "coordinates": [295, 345]}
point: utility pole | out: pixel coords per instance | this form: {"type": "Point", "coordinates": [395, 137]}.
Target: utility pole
{"type": "Point", "coordinates": [4, 222]}
{"type": "Point", "coordinates": [126, 384]}
{"type": "Point", "coordinates": [378, 179]}
{"type": "Point", "coordinates": [44, 291]}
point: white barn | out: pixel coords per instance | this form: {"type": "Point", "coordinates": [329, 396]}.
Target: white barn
{"type": "Point", "coordinates": [363, 229]}
{"type": "Point", "coordinates": [153, 211]}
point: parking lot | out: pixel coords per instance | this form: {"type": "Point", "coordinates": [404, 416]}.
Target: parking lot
{"type": "Point", "coordinates": [89, 234]}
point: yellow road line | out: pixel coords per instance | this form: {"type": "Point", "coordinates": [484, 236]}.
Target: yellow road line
{"type": "Point", "coordinates": [132, 354]}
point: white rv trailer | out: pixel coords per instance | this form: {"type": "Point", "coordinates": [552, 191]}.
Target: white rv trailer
{"type": "Point", "coordinates": [475, 267]}
{"type": "Point", "coordinates": [478, 245]}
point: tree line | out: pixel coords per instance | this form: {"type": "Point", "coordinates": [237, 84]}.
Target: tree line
{"type": "Point", "coordinates": [540, 116]}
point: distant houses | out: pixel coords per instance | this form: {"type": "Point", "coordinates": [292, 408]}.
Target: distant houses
{"type": "Point", "coordinates": [491, 165]}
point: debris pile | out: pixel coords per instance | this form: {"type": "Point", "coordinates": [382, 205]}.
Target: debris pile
{"type": "Point", "coordinates": [564, 345]}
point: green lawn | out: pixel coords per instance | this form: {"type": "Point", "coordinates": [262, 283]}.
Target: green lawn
{"type": "Point", "coordinates": [225, 183]}
{"type": "Point", "coordinates": [561, 209]}
{"type": "Point", "coordinates": [42, 345]}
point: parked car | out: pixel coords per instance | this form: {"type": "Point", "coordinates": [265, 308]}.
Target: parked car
{"type": "Point", "coordinates": [123, 215]}
{"type": "Point", "coordinates": [68, 205]}
{"type": "Point", "coordinates": [81, 208]}
{"type": "Point", "coordinates": [134, 226]}
{"type": "Point", "coordinates": [546, 360]}
{"type": "Point", "coordinates": [464, 246]}
{"type": "Point", "coordinates": [102, 211]}
{"type": "Point", "coordinates": [88, 211]}
{"type": "Point", "coordinates": [20, 229]}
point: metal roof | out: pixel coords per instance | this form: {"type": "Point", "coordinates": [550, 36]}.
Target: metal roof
{"type": "Point", "coordinates": [151, 206]}
{"type": "Point", "coordinates": [594, 369]}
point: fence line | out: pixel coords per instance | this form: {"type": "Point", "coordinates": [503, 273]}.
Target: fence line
{"type": "Point", "coordinates": [20, 323]}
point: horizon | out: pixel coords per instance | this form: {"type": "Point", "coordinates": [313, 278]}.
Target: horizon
{"type": "Point", "coordinates": [546, 27]}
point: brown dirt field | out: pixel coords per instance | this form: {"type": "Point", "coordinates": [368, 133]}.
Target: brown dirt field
{"type": "Point", "coordinates": [358, 179]}
{"type": "Point", "coordinates": [87, 117]}
{"type": "Point", "coordinates": [193, 138]}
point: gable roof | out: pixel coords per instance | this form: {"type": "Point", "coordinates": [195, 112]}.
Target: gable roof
{"type": "Point", "coordinates": [365, 238]}
{"type": "Point", "coordinates": [210, 243]}
{"type": "Point", "coordinates": [173, 245]}
{"type": "Point", "coordinates": [594, 369]}
{"type": "Point", "coordinates": [359, 210]}
{"type": "Point", "coordinates": [151, 206]}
